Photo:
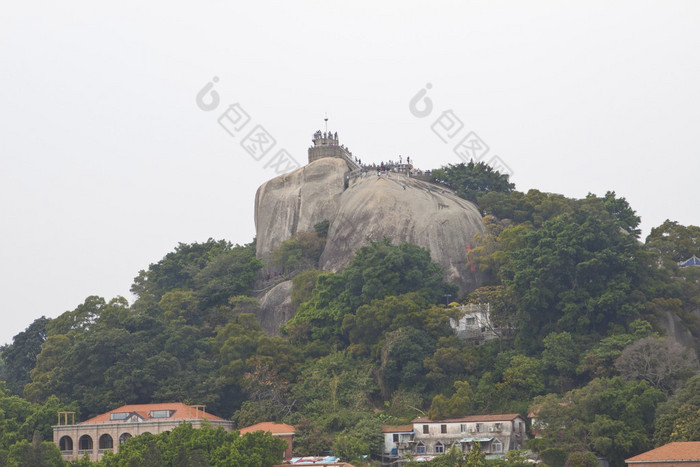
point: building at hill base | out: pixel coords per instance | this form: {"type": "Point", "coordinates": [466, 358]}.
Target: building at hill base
{"type": "Point", "coordinates": [104, 433]}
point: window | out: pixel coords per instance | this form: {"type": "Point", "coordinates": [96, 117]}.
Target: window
{"type": "Point", "coordinates": [478, 427]}
{"type": "Point", "coordinates": [161, 413]}
{"type": "Point", "coordinates": [66, 443]}
{"type": "Point", "coordinates": [119, 415]}
{"type": "Point", "coordinates": [443, 428]}
{"type": "Point", "coordinates": [471, 321]}
{"type": "Point", "coordinates": [85, 443]}
{"type": "Point", "coordinates": [396, 437]}
{"type": "Point", "coordinates": [439, 448]}
{"type": "Point", "coordinates": [463, 427]}
{"type": "Point", "coordinates": [496, 446]}
{"type": "Point", "coordinates": [426, 429]}
{"type": "Point", "coordinates": [106, 442]}
{"type": "Point", "coordinates": [420, 448]}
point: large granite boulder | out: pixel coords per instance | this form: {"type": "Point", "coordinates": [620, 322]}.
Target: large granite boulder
{"type": "Point", "coordinates": [405, 210]}
{"type": "Point", "coordinates": [276, 308]}
{"type": "Point", "coordinates": [364, 209]}
{"type": "Point", "coordinates": [296, 201]}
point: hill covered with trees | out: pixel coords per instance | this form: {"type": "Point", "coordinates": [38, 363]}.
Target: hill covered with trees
{"type": "Point", "coordinates": [580, 301]}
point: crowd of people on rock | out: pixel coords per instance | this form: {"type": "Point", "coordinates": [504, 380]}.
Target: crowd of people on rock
{"type": "Point", "coordinates": [392, 166]}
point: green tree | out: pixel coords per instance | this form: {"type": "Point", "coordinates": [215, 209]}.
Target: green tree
{"type": "Point", "coordinates": [608, 416]}
{"type": "Point", "coordinates": [230, 273]}
{"type": "Point", "coordinates": [361, 442]}
{"type": "Point", "coordinates": [321, 228]}
{"type": "Point", "coordinates": [522, 379]}
{"type": "Point", "coordinates": [349, 447]}
{"type": "Point", "coordinates": [678, 419]}
{"type": "Point", "coordinates": [377, 271]}
{"type": "Point", "coordinates": [599, 360]}
{"type": "Point", "coordinates": [559, 359]}
{"type": "Point", "coordinates": [575, 274]}
{"type": "Point", "coordinates": [311, 438]}
{"type": "Point", "coordinates": [582, 459]}
{"type": "Point", "coordinates": [364, 328]}
{"type": "Point", "coordinates": [298, 253]}
{"type": "Point", "coordinates": [37, 453]}
{"type": "Point", "coordinates": [401, 360]}
{"type": "Point", "coordinates": [383, 269]}
{"type": "Point", "coordinates": [533, 208]}
{"type": "Point", "coordinates": [302, 286]}
{"type": "Point", "coordinates": [335, 383]}
{"type": "Point", "coordinates": [177, 269]}
{"type": "Point", "coordinates": [472, 180]}
{"type": "Point", "coordinates": [452, 359]}
{"type": "Point", "coordinates": [620, 209]}
{"type": "Point", "coordinates": [187, 446]}
{"type": "Point", "coordinates": [459, 404]}
{"type": "Point", "coordinates": [676, 241]}
{"type": "Point", "coordinates": [20, 356]}
{"type": "Point", "coordinates": [24, 426]}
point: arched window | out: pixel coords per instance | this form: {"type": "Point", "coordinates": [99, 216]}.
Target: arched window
{"type": "Point", "coordinates": [85, 443]}
{"type": "Point", "coordinates": [496, 446]}
{"type": "Point", "coordinates": [106, 442]}
{"type": "Point", "coordinates": [439, 448]}
{"type": "Point", "coordinates": [66, 443]}
{"type": "Point", "coordinates": [124, 437]}
{"type": "Point", "coordinates": [420, 448]}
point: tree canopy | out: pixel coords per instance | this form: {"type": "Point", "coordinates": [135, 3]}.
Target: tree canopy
{"type": "Point", "coordinates": [472, 180]}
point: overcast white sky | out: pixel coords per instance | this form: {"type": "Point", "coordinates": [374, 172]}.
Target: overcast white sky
{"type": "Point", "coordinates": [106, 161]}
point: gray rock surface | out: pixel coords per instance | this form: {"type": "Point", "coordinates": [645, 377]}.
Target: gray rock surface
{"type": "Point", "coordinates": [369, 209]}
{"type": "Point", "coordinates": [276, 308]}
{"type": "Point", "coordinates": [678, 331]}
{"type": "Point", "coordinates": [294, 202]}
{"type": "Point", "coordinates": [405, 210]}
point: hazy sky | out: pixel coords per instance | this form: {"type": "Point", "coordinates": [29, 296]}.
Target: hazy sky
{"type": "Point", "coordinates": [107, 161]}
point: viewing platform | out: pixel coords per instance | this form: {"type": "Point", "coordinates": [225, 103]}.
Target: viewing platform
{"type": "Point", "coordinates": [326, 145]}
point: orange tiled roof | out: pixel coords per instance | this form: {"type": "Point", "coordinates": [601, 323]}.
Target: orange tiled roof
{"type": "Point", "coordinates": [471, 418]}
{"type": "Point", "coordinates": [677, 451]}
{"type": "Point", "coordinates": [180, 412]}
{"type": "Point", "coordinates": [396, 428]}
{"type": "Point", "coordinates": [272, 427]}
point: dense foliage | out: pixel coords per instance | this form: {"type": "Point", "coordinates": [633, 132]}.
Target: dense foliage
{"type": "Point", "coordinates": [472, 180]}
{"type": "Point", "coordinates": [206, 446]}
{"type": "Point", "coordinates": [576, 303]}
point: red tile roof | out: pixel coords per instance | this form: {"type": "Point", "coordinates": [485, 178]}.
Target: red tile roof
{"type": "Point", "coordinates": [180, 412]}
{"type": "Point", "coordinates": [274, 428]}
{"type": "Point", "coordinates": [471, 418]}
{"type": "Point", "coordinates": [677, 451]}
{"type": "Point", "coordinates": [396, 428]}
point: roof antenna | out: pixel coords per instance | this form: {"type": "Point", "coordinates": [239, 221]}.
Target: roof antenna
{"type": "Point", "coordinates": [326, 120]}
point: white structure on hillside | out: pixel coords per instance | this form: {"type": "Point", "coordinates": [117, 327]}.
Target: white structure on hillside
{"type": "Point", "coordinates": [474, 322]}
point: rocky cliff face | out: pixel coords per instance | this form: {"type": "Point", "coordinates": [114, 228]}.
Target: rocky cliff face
{"type": "Point", "coordinates": [365, 209]}
{"type": "Point", "coordinates": [294, 202]}
{"type": "Point", "coordinates": [405, 210]}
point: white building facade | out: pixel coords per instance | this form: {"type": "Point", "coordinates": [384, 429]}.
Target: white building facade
{"type": "Point", "coordinates": [496, 434]}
